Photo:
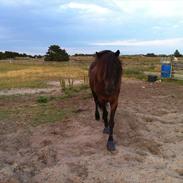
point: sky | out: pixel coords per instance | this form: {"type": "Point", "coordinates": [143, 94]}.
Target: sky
{"type": "Point", "coordinates": [132, 26]}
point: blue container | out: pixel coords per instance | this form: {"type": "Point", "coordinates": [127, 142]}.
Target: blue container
{"type": "Point", "coordinates": [166, 70]}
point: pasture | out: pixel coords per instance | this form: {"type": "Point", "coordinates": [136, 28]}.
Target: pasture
{"type": "Point", "coordinates": [48, 132]}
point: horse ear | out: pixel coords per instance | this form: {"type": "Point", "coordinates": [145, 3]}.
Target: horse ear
{"type": "Point", "coordinates": [97, 54]}
{"type": "Point", "coordinates": [117, 53]}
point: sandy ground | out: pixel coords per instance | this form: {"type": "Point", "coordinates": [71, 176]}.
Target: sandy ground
{"type": "Point", "coordinates": [148, 133]}
{"type": "Point", "coordinates": [53, 86]}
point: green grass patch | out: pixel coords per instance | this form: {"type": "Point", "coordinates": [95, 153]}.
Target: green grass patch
{"type": "Point", "coordinates": [38, 110]}
{"type": "Point", "coordinates": [4, 114]}
{"type": "Point", "coordinates": [134, 73]}
{"type": "Point", "coordinates": [73, 91]}
{"type": "Point", "coordinates": [173, 81]}
{"type": "Point", "coordinates": [34, 114]}
{"type": "Point", "coordinates": [42, 114]}
{"type": "Point", "coordinates": [42, 99]}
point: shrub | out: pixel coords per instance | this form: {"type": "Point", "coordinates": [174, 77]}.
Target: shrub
{"type": "Point", "coordinates": [177, 53]}
{"type": "Point", "coordinates": [55, 53]}
{"type": "Point", "coordinates": [42, 99]}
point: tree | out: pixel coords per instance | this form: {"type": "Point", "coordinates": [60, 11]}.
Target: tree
{"type": "Point", "coordinates": [1, 55]}
{"type": "Point", "coordinates": [55, 53]}
{"type": "Point", "coordinates": [12, 55]}
{"type": "Point", "coordinates": [150, 55]}
{"type": "Point", "coordinates": [177, 53]}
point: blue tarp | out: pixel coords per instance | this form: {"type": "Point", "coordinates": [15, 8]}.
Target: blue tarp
{"type": "Point", "coordinates": [166, 70]}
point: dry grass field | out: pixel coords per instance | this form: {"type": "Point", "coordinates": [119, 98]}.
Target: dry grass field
{"type": "Point", "coordinates": [35, 74]}
{"type": "Point", "coordinates": [30, 74]}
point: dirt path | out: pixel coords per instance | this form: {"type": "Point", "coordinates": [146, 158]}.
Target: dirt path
{"type": "Point", "coordinates": [148, 133]}
{"type": "Point", "coordinates": [53, 87]}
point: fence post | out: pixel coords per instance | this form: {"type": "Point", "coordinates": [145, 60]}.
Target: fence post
{"type": "Point", "coordinates": [172, 66]}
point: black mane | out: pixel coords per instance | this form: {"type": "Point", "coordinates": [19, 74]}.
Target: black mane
{"type": "Point", "coordinates": [101, 53]}
{"type": "Point", "coordinates": [109, 66]}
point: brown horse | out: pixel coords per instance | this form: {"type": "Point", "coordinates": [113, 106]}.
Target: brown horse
{"type": "Point", "coordinates": [105, 80]}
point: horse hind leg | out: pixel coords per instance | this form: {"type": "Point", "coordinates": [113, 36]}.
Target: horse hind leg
{"type": "Point", "coordinates": [97, 114]}
{"type": "Point", "coordinates": [105, 118]}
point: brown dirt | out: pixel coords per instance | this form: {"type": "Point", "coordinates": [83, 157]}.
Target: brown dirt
{"type": "Point", "coordinates": [148, 133]}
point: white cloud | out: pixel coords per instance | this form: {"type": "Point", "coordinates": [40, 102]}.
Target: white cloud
{"type": "Point", "coordinates": [86, 8]}
{"type": "Point", "coordinates": [153, 8]}
{"type": "Point", "coordinates": [116, 8]}
{"type": "Point", "coordinates": [160, 42]}
{"type": "Point", "coordinates": [157, 27]}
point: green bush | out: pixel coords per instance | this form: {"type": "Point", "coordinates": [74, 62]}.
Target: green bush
{"type": "Point", "coordinates": [55, 53]}
{"type": "Point", "coordinates": [177, 53]}
{"type": "Point", "coordinates": [42, 99]}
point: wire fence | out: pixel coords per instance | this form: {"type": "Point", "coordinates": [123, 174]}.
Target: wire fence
{"type": "Point", "coordinates": [177, 69]}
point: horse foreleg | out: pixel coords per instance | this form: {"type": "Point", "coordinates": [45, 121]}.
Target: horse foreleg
{"type": "Point", "coordinates": [110, 142]}
{"type": "Point", "coordinates": [105, 118]}
{"type": "Point", "coordinates": [97, 115]}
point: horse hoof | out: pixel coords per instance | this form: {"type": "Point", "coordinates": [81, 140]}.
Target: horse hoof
{"type": "Point", "coordinates": [111, 146]}
{"type": "Point", "coordinates": [106, 130]}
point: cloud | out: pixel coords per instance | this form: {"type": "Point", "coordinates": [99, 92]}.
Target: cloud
{"type": "Point", "coordinates": [86, 8]}
{"type": "Point", "coordinates": [160, 42]}
{"type": "Point", "coordinates": [145, 8]}
{"type": "Point", "coordinates": [157, 27]}
{"type": "Point", "coordinates": [152, 8]}
{"type": "Point", "coordinates": [78, 23]}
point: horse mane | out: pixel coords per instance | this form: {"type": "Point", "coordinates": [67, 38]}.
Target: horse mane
{"type": "Point", "coordinates": [108, 66]}
{"type": "Point", "coordinates": [101, 53]}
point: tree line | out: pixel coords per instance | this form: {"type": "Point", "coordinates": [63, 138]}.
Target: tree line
{"type": "Point", "coordinates": [12, 55]}
{"type": "Point", "coordinates": [176, 54]}
{"type": "Point", "coordinates": [56, 53]}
